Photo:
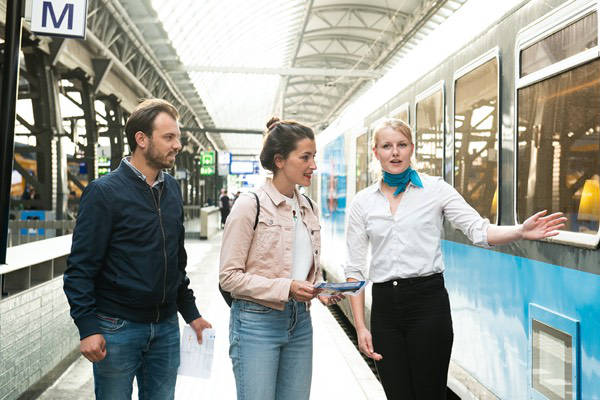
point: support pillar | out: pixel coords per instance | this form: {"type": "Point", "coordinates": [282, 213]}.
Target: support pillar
{"type": "Point", "coordinates": [50, 155]}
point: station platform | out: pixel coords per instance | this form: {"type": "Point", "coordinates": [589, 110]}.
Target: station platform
{"type": "Point", "coordinates": [338, 369]}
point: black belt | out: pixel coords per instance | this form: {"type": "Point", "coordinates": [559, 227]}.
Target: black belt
{"type": "Point", "coordinates": [408, 281]}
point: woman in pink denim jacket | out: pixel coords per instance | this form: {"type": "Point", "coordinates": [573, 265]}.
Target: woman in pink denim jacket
{"type": "Point", "coordinates": [271, 270]}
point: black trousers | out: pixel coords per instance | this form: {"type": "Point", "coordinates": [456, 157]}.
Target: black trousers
{"type": "Point", "coordinates": [412, 329]}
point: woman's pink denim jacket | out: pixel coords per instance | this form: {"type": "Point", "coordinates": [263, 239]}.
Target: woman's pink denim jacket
{"type": "Point", "coordinates": [256, 265]}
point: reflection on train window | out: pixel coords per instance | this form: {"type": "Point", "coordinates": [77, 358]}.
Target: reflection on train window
{"type": "Point", "coordinates": [362, 151]}
{"type": "Point", "coordinates": [476, 138]}
{"type": "Point", "coordinates": [558, 158]}
{"type": "Point", "coordinates": [573, 39]}
{"type": "Point", "coordinates": [430, 134]}
{"type": "Point", "coordinates": [552, 362]}
{"type": "Point", "coordinates": [402, 115]}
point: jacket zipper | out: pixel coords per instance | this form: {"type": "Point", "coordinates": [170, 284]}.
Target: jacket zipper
{"type": "Point", "coordinates": [162, 229]}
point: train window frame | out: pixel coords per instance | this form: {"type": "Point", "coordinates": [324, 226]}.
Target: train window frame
{"type": "Point", "coordinates": [402, 108]}
{"type": "Point", "coordinates": [565, 326]}
{"type": "Point", "coordinates": [538, 30]}
{"type": "Point", "coordinates": [355, 137]}
{"type": "Point", "coordinates": [492, 54]}
{"type": "Point", "coordinates": [440, 85]}
{"type": "Point", "coordinates": [372, 176]}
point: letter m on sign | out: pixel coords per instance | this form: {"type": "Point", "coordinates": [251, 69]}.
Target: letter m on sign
{"type": "Point", "coordinates": [48, 9]}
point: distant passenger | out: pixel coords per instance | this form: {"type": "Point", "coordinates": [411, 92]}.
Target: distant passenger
{"type": "Point", "coordinates": [401, 218]}
{"type": "Point", "coordinates": [235, 197]}
{"type": "Point", "coordinates": [126, 278]}
{"type": "Point", "coordinates": [270, 268]}
{"type": "Point", "coordinates": [224, 206]}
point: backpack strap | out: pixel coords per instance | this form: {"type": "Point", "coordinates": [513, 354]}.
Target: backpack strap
{"type": "Point", "coordinates": [226, 295]}
{"type": "Point", "coordinates": [309, 202]}
{"type": "Point", "coordinates": [257, 210]}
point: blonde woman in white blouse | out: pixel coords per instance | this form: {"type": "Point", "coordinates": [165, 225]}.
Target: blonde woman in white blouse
{"type": "Point", "coordinates": [401, 218]}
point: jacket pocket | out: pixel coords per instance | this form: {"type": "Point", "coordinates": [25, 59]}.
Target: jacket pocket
{"type": "Point", "coordinates": [109, 324]}
{"type": "Point", "coordinates": [268, 236]}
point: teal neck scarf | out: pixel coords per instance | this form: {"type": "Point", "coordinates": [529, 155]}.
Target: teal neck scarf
{"type": "Point", "coordinates": [401, 180]}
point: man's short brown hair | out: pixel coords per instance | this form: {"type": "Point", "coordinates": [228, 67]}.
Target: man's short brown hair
{"type": "Point", "coordinates": [143, 116]}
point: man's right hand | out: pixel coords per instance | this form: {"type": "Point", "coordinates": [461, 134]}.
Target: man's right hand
{"type": "Point", "coordinates": [93, 347]}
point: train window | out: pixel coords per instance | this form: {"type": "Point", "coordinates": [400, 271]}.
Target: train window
{"type": "Point", "coordinates": [476, 138]}
{"type": "Point", "coordinates": [401, 113]}
{"type": "Point", "coordinates": [558, 153]}
{"type": "Point", "coordinates": [552, 362]}
{"type": "Point", "coordinates": [362, 156]}
{"type": "Point", "coordinates": [430, 133]}
{"type": "Point", "coordinates": [579, 36]}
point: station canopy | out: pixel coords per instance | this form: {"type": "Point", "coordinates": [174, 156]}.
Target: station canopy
{"type": "Point", "coordinates": [297, 59]}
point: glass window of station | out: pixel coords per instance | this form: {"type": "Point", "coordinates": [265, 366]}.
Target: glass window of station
{"type": "Point", "coordinates": [430, 133]}
{"type": "Point", "coordinates": [558, 138]}
{"type": "Point", "coordinates": [476, 138]}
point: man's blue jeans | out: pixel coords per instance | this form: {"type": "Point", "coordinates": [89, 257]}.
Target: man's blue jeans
{"type": "Point", "coordinates": [148, 351]}
{"type": "Point", "coordinates": [271, 351]}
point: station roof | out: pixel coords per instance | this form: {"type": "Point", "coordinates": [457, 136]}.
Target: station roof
{"type": "Point", "coordinates": [297, 59]}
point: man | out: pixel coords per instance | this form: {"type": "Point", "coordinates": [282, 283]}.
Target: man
{"type": "Point", "coordinates": [125, 279]}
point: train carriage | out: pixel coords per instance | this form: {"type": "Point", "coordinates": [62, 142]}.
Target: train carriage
{"type": "Point", "coordinates": [512, 120]}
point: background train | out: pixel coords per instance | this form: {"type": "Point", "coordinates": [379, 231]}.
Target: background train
{"type": "Point", "coordinates": [511, 118]}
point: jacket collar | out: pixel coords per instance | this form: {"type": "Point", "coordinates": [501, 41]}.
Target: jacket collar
{"type": "Point", "coordinates": [159, 179]}
{"type": "Point", "coordinates": [277, 198]}
{"type": "Point", "coordinates": [128, 173]}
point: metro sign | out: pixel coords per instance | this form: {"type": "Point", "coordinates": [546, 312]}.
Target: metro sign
{"type": "Point", "coordinates": [66, 18]}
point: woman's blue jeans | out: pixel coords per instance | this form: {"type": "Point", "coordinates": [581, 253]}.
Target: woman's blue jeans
{"type": "Point", "coordinates": [271, 351]}
{"type": "Point", "coordinates": [148, 351]}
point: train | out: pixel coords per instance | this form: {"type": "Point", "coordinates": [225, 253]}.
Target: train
{"type": "Point", "coordinates": [509, 114]}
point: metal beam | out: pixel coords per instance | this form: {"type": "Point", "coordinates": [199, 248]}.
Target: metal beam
{"type": "Point", "coordinates": [101, 67]}
{"type": "Point", "coordinates": [287, 71]}
{"type": "Point", "coordinates": [222, 130]}
{"type": "Point", "coordinates": [8, 97]}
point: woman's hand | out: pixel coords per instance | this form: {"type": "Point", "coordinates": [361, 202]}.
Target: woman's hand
{"type": "Point", "coordinates": [303, 291]}
{"type": "Point", "coordinates": [331, 300]}
{"type": "Point", "coordinates": [365, 344]}
{"type": "Point", "coordinates": [539, 226]}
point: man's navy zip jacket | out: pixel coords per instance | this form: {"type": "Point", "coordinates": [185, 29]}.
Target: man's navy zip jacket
{"type": "Point", "coordinates": [127, 258]}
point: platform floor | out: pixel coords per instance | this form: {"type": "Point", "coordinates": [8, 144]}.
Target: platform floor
{"type": "Point", "coordinates": [338, 369]}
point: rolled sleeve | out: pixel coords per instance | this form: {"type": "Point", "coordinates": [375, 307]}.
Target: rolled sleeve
{"type": "Point", "coordinates": [357, 243]}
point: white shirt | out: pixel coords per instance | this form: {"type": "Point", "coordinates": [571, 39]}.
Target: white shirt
{"type": "Point", "coordinates": [302, 253]}
{"type": "Point", "coordinates": [407, 244]}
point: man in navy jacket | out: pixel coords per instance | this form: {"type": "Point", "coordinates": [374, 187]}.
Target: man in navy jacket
{"type": "Point", "coordinates": [126, 279]}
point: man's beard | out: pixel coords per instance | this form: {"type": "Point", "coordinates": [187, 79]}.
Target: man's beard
{"type": "Point", "coordinates": [155, 160]}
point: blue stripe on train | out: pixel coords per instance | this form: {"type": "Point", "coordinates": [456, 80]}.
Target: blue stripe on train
{"type": "Point", "coordinates": [490, 294]}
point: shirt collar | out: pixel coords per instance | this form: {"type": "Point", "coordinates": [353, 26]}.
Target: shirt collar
{"type": "Point", "coordinates": [159, 179]}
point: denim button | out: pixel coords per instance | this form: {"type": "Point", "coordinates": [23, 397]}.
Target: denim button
{"type": "Point", "coordinates": [395, 283]}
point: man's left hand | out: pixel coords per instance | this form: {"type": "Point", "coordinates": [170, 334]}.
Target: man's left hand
{"type": "Point", "coordinates": [198, 325]}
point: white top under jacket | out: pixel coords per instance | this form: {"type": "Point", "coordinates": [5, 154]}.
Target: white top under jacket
{"type": "Point", "coordinates": [303, 257]}
{"type": "Point", "coordinates": [407, 244]}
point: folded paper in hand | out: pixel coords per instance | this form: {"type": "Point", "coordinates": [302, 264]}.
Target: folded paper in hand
{"type": "Point", "coordinates": [332, 289]}
{"type": "Point", "coordinates": [196, 359]}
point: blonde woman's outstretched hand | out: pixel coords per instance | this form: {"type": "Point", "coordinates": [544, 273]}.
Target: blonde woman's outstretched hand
{"type": "Point", "coordinates": [540, 225]}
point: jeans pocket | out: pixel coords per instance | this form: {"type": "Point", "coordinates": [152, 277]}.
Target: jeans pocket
{"type": "Point", "coordinates": [110, 324]}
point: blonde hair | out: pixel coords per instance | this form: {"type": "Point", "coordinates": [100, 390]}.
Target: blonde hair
{"type": "Point", "coordinates": [396, 124]}
{"type": "Point", "coordinates": [399, 126]}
